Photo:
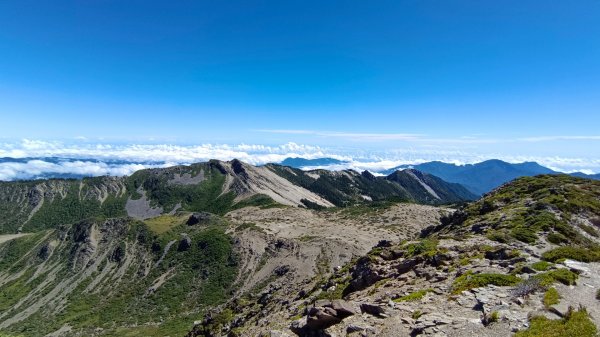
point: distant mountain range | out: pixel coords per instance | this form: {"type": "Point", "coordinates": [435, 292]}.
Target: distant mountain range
{"type": "Point", "coordinates": [348, 186]}
{"type": "Point", "coordinates": [478, 178]}
{"type": "Point", "coordinates": [214, 186]}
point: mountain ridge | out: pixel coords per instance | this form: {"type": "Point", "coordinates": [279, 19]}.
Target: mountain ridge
{"type": "Point", "coordinates": [484, 176]}
{"type": "Point", "coordinates": [213, 186]}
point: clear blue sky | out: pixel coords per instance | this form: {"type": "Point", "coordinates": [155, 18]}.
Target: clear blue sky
{"type": "Point", "coordinates": [342, 71]}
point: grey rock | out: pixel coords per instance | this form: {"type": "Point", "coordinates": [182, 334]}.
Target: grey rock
{"type": "Point", "coordinates": [198, 218]}
{"type": "Point", "coordinates": [319, 318]}
{"type": "Point", "coordinates": [560, 309]}
{"type": "Point", "coordinates": [343, 308]}
{"type": "Point", "coordinates": [185, 243]}
{"type": "Point", "coordinates": [373, 309]}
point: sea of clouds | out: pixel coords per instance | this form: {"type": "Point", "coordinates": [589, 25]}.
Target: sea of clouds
{"type": "Point", "coordinates": [31, 159]}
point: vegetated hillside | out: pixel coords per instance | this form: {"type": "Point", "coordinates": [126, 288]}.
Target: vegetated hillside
{"type": "Point", "coordinates": [214, 186]}
{"type": "Point", "coordinates": [347, 187]}
{"type": "Point", "coordinates": [156, 277]}
{"type": "Point", "coordinates": [115, 277]}
{"type": "Point", "coordinates": [522, 261]}
{"type": "Point", "coordinates": [555, 208]}
{"type": "Point", "coordinates": [427, 188]}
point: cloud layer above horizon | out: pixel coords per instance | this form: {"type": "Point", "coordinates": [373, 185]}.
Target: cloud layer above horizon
{"type": "Point", "coordinates": [31, 159]}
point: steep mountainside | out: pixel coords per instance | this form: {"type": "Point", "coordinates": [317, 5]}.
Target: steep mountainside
{"type": "Point", "coordinates": [116, 277]}
{"type": "Point", "coordinates": [346, 187]}
{"type": "Point", "coordinates": [214, 186]}
{"type": "Point", "coordinates": [523, 261]}
{"type": "Point", "coordinates": [427, 188]}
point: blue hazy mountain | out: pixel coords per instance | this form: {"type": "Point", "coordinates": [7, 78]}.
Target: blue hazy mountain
{"type": "Point", "coordinates": [478, 178]}
{"type": "Point", "coordinates": [481, 177]}
{"type": "Point", "coordinates": [589, 176]}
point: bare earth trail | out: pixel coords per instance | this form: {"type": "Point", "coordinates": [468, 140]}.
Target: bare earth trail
{"type": "Point", "coordinates": [8, 237]}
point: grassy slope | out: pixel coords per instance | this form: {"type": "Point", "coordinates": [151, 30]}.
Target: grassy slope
{"type": "Point", "coordinates": [198, 278]}
{"type": "Point", "coordinates": [529, 209]}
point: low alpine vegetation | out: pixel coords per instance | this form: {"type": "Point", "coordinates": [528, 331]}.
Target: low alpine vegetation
{"type": "Point", "coordinates": [469, 281]}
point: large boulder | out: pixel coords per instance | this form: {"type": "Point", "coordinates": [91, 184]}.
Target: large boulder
{"type": "Point", "coordinates": [198, 218]}
{"type": "Point", "coordinates": [373, 309]}
{"type": "Point", "coordinates": [185, 243]}
{"type": "Point", "coordinates": [328, 313]}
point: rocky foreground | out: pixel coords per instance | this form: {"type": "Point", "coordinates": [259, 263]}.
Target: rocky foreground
{"type": "Point", "coordinates": [522, 261]}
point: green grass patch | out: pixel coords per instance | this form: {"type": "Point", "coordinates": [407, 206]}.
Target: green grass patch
{"type": "Point", "coordinates": [414, 296]}
{"type": "Point", "coordinates": [561, 275]}
{"type": "Point", "coordinates": [524, 234]}
{"type": "Point", "coordinates": [557, 238]}
{"type": "Point", "coordinates": [164, 223]}
{"type": "Point", "coordinates": [425, 247]}
{"type": "Point", "coordinates": [576, 323]}
{"type": "Point", "coordinates": [573, 253]}
{"type": "Point", "coordinates": [551, 297]}
{"type": "Point", "coordinates": [469, 281]}
{"type": "Point", "coordinates": [541, 265]}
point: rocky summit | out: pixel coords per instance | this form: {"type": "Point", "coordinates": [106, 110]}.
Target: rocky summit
{"type": "Point", "coordinates": [230, 249]}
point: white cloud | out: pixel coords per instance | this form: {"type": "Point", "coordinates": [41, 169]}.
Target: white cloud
{"type": "Point", "coordinates": [87, 158]}
{"type": "Point", "coordinates": [38, 168]}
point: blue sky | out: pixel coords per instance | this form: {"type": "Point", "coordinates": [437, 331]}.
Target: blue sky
{"type": "Point", "coordinates": [492, 78]}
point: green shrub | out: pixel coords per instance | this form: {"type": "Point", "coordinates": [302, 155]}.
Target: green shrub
{"type": "Point", "coordinates": [494, 317]}
{"type": "Point", "coordinates": [541, 265]}
{"type": "Point", "coordinates": [524, 234]}
{"type": "Point", "coordinates": [414, 296]}
{"type": "Point", "coordinates": [425, 247]}
{"type": "Point", "coordinates": [557, 238]}
{"type": "Point", "coordinates": [551, 297]}
{"type": "Point", "coordinates": [468, 281]}
{"type": "Point", "coordinates": [589, 229]}
{"type": "Point", "coordinates": [573, 253]}
{"type": "Point", "coordinates": [575, 323]}
{"type": "Point", "coordinates": [498, 236]}
{"type": "Point", "coordinates": [562, 275]}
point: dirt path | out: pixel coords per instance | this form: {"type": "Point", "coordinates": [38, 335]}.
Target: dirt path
{"type": "Point", "coordinates": [8, 237]}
